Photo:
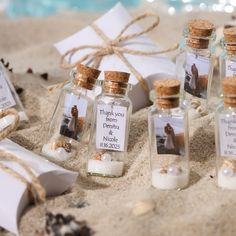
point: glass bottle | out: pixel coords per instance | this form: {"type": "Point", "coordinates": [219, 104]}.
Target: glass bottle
{"type": "Point", "coordinates": [194, 63]}
{"type": "Point", "coordinates": [110, 128]}
{"type": "Point", "coordinates": [69, 127]}
{"type": "Point", "coordinates": [168, 137]}
{"type": "Point", "coordinates": [227, 59]}
{"type": "Point", "coordinates": [10, 99]}
{"type": "Point", "coordinates": [225, 119]}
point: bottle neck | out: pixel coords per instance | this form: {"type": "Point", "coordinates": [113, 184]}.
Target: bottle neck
{"type": "Point", "coordinates": [198, 42]}
{"type": "Point", "coordinates": [114, 88]}
{"type": "Point", "coordinates": [229, 47]}
{"type": "Point", "coordinates": [229, 102]}
{"type": "Point", "coordinates": [167, 103]}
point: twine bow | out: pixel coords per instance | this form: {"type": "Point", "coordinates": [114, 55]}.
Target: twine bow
{"type": "Point", "coordinates": [114, 47]}
{"type": "Point", "coordinates": [34, 186]}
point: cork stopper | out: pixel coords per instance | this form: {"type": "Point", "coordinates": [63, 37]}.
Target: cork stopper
{"type": "Point", "coordinates": [229, 89]}
{"type": "Point", "coordinates": [230, 34]}
{"type": "Point", "coordinates": [86, 77]}
{"type": "Point", "coordinates": [167, 92]}
{"type": "Point", "coordinates": [230, 39]}
{"type": "Point", "coordinates": [116, 82]}
{"type": "Point", "coordinates": [199, 28]}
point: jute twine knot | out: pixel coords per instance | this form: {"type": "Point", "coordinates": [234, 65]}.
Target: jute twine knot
{"type": "Point", "coordinates": [115, 46]}
{"type": "Point", "coordinates": [34, 186]}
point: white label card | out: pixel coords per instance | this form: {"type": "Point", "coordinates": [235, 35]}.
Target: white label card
{"type": "Point", "coordinates": [111, 127]}
{"type": "Point", "coordinates": [227, 135]}
{"type": "Point", "coordinates": [230, 68]}
{"type": "Point", "coordinates": [196, 75]}
{"type": "Point", "coordinates": [6, 98]}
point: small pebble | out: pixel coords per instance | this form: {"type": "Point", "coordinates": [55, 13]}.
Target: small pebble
{"type": "Point", "coordinates": [173, 170]}
{"type": "Point", "coordinates": [62, 152]}
{"type": "Point", "coordinates": [44, 76]}
{"type": "Point", "coordinates": [143, 207]}
{"type": "Point", "coordinates": [29, 71]}
{"type": "Point", "coordinates": [106, 157]}
{"type": "Point", "coordinates": [228, 172]}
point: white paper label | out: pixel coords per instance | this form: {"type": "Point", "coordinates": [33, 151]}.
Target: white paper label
{"type": "Point", "coordinates": [196, 75]}
{"type": "Point", "coordinates": [111, 127]}
{"type": "Point", "coordinates": [227, 135]}
{"type": "Point", "coordinates": [230, 68]}
{"type": "Point", "coordinates": [74, 116]}
{"type": "Point", "coordinates": [170, 135]}
{"type": "Point", "coordinates": [6, 98]}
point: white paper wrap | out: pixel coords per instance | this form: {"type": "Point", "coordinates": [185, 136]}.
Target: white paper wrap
{"type": "Point", "coordinates": [14, 194]}
{"type": "Point", "coordinates": [111, 24]}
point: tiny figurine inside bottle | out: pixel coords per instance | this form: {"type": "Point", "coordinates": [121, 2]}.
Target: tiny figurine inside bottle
{"type": "Point", "coordinates": [110, 128]}
{"type": "Point", "coordinates": [69, 127]}
{"type": "Point", "coordinates": [194, 64]}
{"type": "Point", "coordinates": [226, 135]}
{"type": "Point", "coordinates": [10, 99]}
{"type": "Point", "coordinates": [228, 55]}
{"type": "Point", "coordinates": [168, 137]}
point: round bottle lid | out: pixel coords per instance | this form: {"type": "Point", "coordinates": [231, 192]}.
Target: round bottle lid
{"type": "Point", "coordinates": [200, 28]}
{"type": "Point", "coordinates": [229, 90]}
{"type": "Point", "coordinates": [229, 85]}
{"type": "Point", "coordinates": [117, 76]}
{"type": "Point", "coordinates": [230, 34]}
{"type": "Point", "coordinates": [167, 87]}
{"type": "Point", "coordinates": [166, 90]}
{"type": "Point", "coordinates": [86, 76]}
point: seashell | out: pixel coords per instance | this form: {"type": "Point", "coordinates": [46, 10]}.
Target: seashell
{"type": "Point", "coordinates": [65, 225]}
{"type": "Point", "coordinates": [98, 156]}
{"type": "Point", "coordinates": [163, 169]}
{"type": "Point", "coordinates": [143, 207]}
{"type": "Point", "coordinates": [195, 104]}
{"type": "Point", "coordinates": [68, 147]}
{"type": "Point", "coordinates": [203, 112]}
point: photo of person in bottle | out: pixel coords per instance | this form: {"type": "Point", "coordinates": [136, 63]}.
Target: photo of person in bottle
{"type": "Point", "coordinates": [72, 125]}
{"type": "Point", "coordinates": [196, 79]}
{"type": "Point", "coordinates": [169, 142]}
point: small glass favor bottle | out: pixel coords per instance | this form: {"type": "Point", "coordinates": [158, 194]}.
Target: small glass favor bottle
{"type": "Point", "coordinates": [194, 64]}
{"type": "Point", "coordinates": [10, 99]}
{"type": "Point", "coordinates": [226, 136]}
{"type": "Point", "coordinates": [228, 55]}
{"type": "Point", "coordinates": [110, 128]}
{"type": "Point", "coordinates": [168, 137]}
{"type": "Point", "coordinates": [69, 127]}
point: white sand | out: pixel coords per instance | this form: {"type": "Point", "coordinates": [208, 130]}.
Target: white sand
{"type": "Point", "coordinates": [107, 168]}
{"type": "Point", "coordinates": [167, 181]}
{"type": "Point", "coordinates": [200, 209]}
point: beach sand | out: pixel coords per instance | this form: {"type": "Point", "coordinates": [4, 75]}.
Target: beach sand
{"type": "Point", "coordinates": [200, 209]}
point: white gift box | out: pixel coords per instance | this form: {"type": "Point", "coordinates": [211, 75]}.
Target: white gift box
{"type": "Point", "coordinates": [14, 193]}
{"type": "Point", "coordinates": [111, 24]}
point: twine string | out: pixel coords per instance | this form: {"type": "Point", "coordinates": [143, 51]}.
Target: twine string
{"type": "Point", "coordinates": [114, 47]}
{"type": "Point", "coordinates": [34, 186]}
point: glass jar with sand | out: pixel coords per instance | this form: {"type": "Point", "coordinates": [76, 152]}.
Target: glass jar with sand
{"type": "Point", "coordinates": [168, 137]}
{"type": "Point", "coordinates": [194, 63]}
{"type": "Point", "coordinates": [71, 121]}
{"type": "Point", "coordinates": [110, 128]}
{"type": "Point", "coordinates": [225, 120]}
{"type": "Point", "coordinates": [227, 59]}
